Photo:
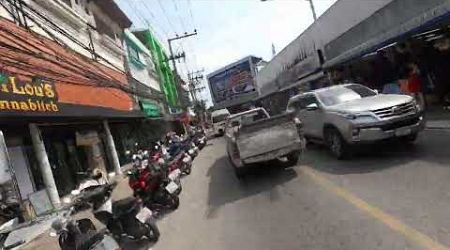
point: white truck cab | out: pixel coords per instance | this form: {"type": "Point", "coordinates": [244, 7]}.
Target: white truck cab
{"type": "Point", "coordinates": [219, 119]}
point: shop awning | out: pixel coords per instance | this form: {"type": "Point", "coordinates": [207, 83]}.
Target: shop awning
{"type": "Point", "coordinates": [389, 33]}
{"type": "Point", "coordinates": [308, 78]}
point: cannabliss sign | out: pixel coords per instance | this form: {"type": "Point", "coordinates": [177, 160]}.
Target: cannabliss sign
{"type": "Point", "coordinates": [38, 95]}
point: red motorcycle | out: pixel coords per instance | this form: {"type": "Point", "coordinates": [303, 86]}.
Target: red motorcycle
{"type": "Point", "coordinates": [154, 188]}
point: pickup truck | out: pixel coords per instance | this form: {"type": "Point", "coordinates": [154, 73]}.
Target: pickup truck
{"type": "Point", "coordinates": [254, 137]}
{"type": "Point", "coordinates": [347, 115]}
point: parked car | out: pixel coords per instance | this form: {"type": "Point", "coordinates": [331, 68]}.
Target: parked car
{"type": "Point", "coordinates": [254, 137]}
{"type": "Point", "coordinates": [345, 115]}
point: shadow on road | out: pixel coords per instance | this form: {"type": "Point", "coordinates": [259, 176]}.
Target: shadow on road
{"type": "Point", "coordinates": [136, 245]}
{"type": "Point", "coordinates": [224, 187]}
{"type": "Point", "coordinates": [432, 147]}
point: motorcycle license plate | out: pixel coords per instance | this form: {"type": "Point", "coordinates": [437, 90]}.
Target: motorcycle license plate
{"type": "Point", "coordinates": [171, 187]}
{"type": "Point", "coordinates": [402, 131]}
{"type": "Point", "coordinates": [144, 215]}
{"type": "Point", "coordinates": [174, 174]}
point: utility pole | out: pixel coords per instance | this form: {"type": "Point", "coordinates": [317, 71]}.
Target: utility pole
{"type": "Point", "coordinates": [313, 10]}
{"type": "Point", "coordinates": [194, 81]}
{"type": "Point", "coordinates": [174, 57]}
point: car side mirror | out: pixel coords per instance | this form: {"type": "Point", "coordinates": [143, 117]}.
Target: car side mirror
{"type": "Point", "coordinates": [312, 107]}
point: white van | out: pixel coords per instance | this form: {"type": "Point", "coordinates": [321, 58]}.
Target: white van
{"type": "Point", "coordinates": [219, 118]}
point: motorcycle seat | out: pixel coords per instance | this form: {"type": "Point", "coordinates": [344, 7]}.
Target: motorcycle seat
{"type": "Point", "coordinates": [124, 206]}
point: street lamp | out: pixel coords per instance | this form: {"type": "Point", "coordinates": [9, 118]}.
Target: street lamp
{"type": "Point", "coordinates": [313, 10]}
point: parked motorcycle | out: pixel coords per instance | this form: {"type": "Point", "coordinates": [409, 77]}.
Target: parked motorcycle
{"type": "Point", "coordinates": [157, 191]}
{"type": "Point", "coordinates": [6, 229]}
{"type": "Point", "coordinates": [81, 234]}
{"type": "Point", "coordinates": [126, 218]}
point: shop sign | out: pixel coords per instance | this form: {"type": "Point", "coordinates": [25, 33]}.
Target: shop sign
{"type": "Point", "coordinates": [151, 109]}
{"type": "Point", "coordinates": [38, 95]}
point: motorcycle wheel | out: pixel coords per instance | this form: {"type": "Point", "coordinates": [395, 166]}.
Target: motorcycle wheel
{"type": "Point", "coordinates": [187, 170]}
{"type": "Point", "coordinates": [63, 241]}
{"type": "Point", "coordinates": [174, 202]}
{"type": "Point", "coordinates": [178, 191]}
{"type": "Point", "coordinates": [153, 231]}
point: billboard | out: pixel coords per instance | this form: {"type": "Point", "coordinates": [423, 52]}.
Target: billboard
{"type": "Point", "coordinates": [232, 82]}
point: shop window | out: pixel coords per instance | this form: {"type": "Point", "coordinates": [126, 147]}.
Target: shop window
{"type": "Point", "coordinates": [133, 53]}
{"type": "Point", "coordinates": [104, 28]}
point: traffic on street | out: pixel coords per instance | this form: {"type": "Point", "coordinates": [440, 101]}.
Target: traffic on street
{"type": "Point", "coordinates": [387, 197]}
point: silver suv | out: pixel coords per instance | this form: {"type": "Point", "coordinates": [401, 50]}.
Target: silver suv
{"type": "Point", "coordinates": [345, 115]}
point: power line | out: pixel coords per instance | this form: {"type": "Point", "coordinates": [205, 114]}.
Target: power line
{"type": "Point", "coordinates": [152, 15]}
{"type": "Point", "coordinates": [167, 17]}
{"type": "Point", "coordinates": [144, 19]}
{"type": "Point", "coordinates": [84, 70]}
{"type": "Point", "coordinates": [190, 12]}
{"type": "Point", "coordinates": [179, 16]}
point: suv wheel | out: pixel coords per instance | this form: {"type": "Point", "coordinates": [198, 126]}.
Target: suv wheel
{"type": "Point", "coordinates": [336, 144]}
{"type": "Point", "coordinates": [292, 158]}
{"type": "Point", "coordinates": [410, 138]}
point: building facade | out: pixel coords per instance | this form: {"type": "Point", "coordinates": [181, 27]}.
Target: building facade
{"type": "Point", "coordinates": [63, 83]}
{"type": "Point", "coordinates": [161, 62]}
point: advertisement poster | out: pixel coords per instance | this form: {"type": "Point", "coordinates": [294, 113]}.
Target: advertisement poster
{"type": "Point", "coordinates": [233, 82]}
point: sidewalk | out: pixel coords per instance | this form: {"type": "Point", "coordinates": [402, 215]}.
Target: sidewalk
{"type": "Point", "coordinates": [437, 118]}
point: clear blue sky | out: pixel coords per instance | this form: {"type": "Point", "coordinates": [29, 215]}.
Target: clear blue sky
{"type": "Point", "coordinates": [227, 29]}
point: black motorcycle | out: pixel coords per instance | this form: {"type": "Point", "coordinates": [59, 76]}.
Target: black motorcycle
{"type": "Point", "coordinates": [126, 218]}
{"type": "Point", "coordinates": [81, 234]}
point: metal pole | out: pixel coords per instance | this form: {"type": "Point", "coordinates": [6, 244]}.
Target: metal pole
{"type": "Point", "coordinates": [313, 10]}
{"type": "Point", "coordinates": [44, 164]}
{"type": "Point", "coordinates": [112, 148]}
{"type": "Point", "coordinates": [173, 60]}
{"type": "Point", "coordinates": [7, 167]}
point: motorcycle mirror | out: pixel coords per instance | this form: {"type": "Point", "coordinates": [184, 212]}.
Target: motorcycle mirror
{"type": "Point", "coordinates": [75, 192]}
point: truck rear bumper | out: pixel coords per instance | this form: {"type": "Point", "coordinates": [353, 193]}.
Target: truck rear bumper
{"type": "Point", "coordinates": [297, 146]}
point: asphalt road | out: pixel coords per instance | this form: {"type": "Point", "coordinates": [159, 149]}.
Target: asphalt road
{"type": "Point", "coordinates": [389, 196]}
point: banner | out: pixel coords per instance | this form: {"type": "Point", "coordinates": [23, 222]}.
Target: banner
{"type": "Point", "coordinates": [232, 82]}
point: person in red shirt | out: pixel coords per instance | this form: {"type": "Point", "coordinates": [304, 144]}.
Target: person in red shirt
{"type": "Point", "coordinates": [415, 85]}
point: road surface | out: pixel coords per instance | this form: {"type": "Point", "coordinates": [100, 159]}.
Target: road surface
{"type": "Point", "coordinates": [390, 196]}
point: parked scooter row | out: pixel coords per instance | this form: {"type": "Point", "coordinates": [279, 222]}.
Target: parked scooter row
{"type": "Point", "coordinates": [156, 183]}
{"type": "Point", "coordinates": [125, 219]}
{"type": "Point", "coordinates": [156, 174]}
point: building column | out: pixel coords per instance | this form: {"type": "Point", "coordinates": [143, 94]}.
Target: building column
{"type": "Point", "coordinates": [44, 164]}
{"type": "Point", "coordinates": [112, 148]}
